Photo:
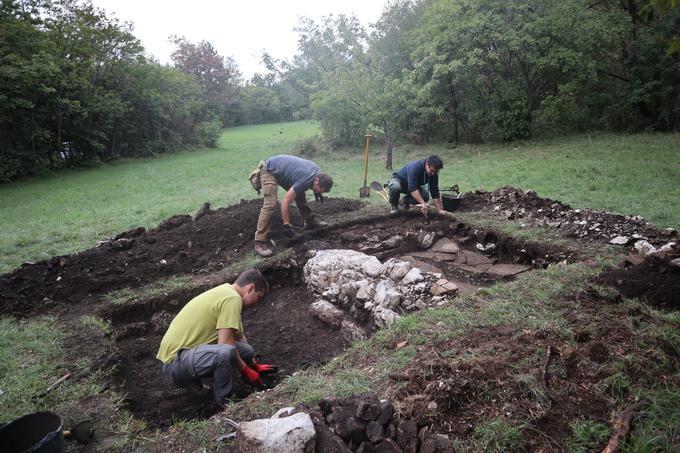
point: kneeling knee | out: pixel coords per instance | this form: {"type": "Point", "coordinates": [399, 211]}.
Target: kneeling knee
{"type": "Point", "coordinates": [226, 354]}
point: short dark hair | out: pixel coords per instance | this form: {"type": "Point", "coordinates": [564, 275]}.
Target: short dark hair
{"type": "Point", "coordinates": [325, 181]}
{"type": "Point", "coordinates": [255, 277]}
{"type": "Point", "coordinates": [435, 162]}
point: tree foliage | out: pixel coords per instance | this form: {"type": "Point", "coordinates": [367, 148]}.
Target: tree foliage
{"type": "Point", "coordinates": [75, 88]}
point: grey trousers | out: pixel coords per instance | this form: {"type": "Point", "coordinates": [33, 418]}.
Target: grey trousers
{"type": "Point", "coordinates": [216, 360]}
{"type": "Point", "coordinates": [395, 190]}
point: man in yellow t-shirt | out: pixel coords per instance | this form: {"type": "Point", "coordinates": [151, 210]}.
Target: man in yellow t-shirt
{"type": "Point", "coordinates": [206, 337]}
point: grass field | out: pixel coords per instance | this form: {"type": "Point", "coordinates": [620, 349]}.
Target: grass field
{"type": "Point", "coordinates": [72, 210]}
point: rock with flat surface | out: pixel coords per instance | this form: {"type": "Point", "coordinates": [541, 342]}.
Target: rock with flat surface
{"type": "Point", "coordinates": [413, 276]}
{"type": "Point", "coordinates": [395, 268]}
{"type": "Point", "coordinates": [443, 286]}
{"type": "Point", "coordinates": [446, 245]}
{"type": "Point", "coordinates": [425, 240]}
{"type": "Point", "coordinates": [619, 240]}
{"type": "Point", "coordinates": [644, 248]}
{"type": "Point", "coordinates": [505, 270]}
{"type": "Point", "coordinates": [294, 434]}
{"type": "Point", "coordinates": [386, 295]}
{"type": "Point", "coordinates": [327, 312]}
{"type": "Point", "coordinates": [472, 258]}
{"type": "Point", "coordinates": [384, 317]}
{"type": "Point", "coordinates": [422, 265]}
{"type": "Point", "coordinates": [352, 332]}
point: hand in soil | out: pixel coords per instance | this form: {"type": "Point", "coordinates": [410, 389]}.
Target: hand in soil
{"type": "Point", "coordinates": [264, 368]}
{"type": "Point", "coordinates": [252, 376]}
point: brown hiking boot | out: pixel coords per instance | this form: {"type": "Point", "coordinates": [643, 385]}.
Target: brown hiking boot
{"type": "Point", "coordinates": [262, 249]}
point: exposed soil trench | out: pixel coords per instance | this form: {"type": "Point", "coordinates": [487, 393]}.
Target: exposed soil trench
{"type": "Point", "coordinates": [281, 329]}
{"type": "Point", "coordinates": [207, 250]}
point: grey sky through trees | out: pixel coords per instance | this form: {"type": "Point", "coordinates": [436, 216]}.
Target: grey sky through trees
{"type": "Point", "coordinates": [239, 29]}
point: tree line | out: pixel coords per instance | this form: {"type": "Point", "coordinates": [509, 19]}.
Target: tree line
{"type": "Point", "coordinates": [478, 70]}
{"type": "Point", "coordinates": [76, 86]}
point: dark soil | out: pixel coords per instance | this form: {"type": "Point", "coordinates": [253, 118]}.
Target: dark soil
{"type": "Point", "coordinates": [654, 281]}
{"type": "Point", "coordinates": [281, 328]}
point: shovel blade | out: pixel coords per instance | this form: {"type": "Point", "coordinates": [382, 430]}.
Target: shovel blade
{"type": "Point", "coordinates": [364, 192]}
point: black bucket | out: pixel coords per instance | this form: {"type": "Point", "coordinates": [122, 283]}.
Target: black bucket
{"type": "Point", "coordinates": [451, 202]}
{"type": "Point", "coordinates": [40, 432]}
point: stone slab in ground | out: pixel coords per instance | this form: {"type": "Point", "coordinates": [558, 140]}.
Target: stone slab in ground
{"type": "Point", "coordinates": [472, 258]}
{"type": "Point", "coordinates": [446, 245]}
{"type": "Point", "coordinates": [422, 265]}
{"type": "Point", "coordinates": [478, 269]}
{"type": "Point", "coordinates": [505, 270]}
{"type": "Point", "coordinates": [437, 256]}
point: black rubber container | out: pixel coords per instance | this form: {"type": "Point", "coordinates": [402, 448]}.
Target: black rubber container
{"type": "Point", "coordinates": [40, 432]}
{"type": "Point", "coordinates": [450, 202]}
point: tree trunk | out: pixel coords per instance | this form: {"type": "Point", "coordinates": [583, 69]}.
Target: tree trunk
{"type": "Point", "coordinates": [389, 143]}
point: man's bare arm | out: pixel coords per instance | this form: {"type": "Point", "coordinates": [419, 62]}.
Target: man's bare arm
{"type": "Point", "coordinates": [229, 336]}
{"type": "Point", "coordinates": [285, 205]}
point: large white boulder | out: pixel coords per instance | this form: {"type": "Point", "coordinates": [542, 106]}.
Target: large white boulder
{"type": "Point", "coordinates": [327, 266]}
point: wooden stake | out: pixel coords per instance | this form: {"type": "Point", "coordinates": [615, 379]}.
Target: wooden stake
{"type": "Point", "coordinates": [622, 426]}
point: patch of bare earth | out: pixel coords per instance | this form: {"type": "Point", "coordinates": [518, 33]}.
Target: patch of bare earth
{"type": "Point", "coordinates": [475, 380]}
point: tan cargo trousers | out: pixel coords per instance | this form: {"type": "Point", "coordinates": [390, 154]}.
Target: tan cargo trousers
{"type": "Point", "coordinates": [270, 189]}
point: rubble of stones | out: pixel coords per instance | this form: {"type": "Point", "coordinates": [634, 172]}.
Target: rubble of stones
{"type": "Point", "coordinates": [357, 290]}
{"type": "Point", "coordinates": [361, 423]}
{"type": "Point", "coordinates": [512, 203]}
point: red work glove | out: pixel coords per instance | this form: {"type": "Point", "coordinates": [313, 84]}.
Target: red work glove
{"type": "Point", "coordinates": [252, 376]}
{"type": "Point", "coordinates": [263, 368]}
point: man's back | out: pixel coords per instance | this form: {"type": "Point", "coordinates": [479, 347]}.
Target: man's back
{"type": "Point", "coordinates": [292, 171]}
{"type": "Point", "coordinates": [198, 321]}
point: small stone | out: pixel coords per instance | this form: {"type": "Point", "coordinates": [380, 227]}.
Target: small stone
{"type": "Point", "coordinates": [425, 240]}
{"type": "Point", "coordinates": [443, 286]}
{"type": "Point", "coordinates": [675, 262]}
{"type": "Point", "coordinates": [667, 247]}
{"type": "Point", "coordinates": [413, 276]}
{"type": "Point", "coordinates": [644, 248]}
{"type": "Point", "coordinates": [619, 240]}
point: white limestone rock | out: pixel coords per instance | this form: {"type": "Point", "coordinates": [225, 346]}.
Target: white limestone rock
{"type": "Point", "coordinates": [619, 240]}
{"type": "Point", "coordinates": [644, 248]}
{"type": "Point", "coordinates": [352, 332]}
{"type": "Point", "coordinates": [327, 312]}
{"type": "Point", "coordinates": [293, 434]}
{"type": "Point", "coordinates": [413, 276]}
{"type": "Point", "coordinates": [386, 295]}
{"type": "Point", "coordinates": [384, 317]}
{"type": "Point", "coordinates": [396, 268]}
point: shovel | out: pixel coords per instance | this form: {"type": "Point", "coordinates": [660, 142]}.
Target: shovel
{"type": "Point", "coordinates": [365, 191]}
{"type": "Point", "coordinates": [375, 185]}
{"type": "Point", "coordinates": [82, 432]}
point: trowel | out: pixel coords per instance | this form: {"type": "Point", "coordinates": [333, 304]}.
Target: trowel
{"type": "Point", "coordinates": [82, 432]}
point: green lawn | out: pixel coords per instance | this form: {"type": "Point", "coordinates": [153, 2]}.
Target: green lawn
{"type": "Point", "coordinates": [72, 210]}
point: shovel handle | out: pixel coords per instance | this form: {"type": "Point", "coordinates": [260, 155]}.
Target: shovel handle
{"type": "Point", "coordinates": [368, 139]}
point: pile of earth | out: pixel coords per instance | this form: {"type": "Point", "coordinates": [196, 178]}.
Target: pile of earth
{"type": "Point", "coordinates": [654, 279]}
{"type": "Point", "coordinates": [511, 203]}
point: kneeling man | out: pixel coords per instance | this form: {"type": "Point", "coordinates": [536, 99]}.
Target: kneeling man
{"type": "Point", "coordinates": [206, 337]}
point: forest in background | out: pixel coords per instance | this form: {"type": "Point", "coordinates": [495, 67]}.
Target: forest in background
{"type": "Point", "coordinates": [76, 86]}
